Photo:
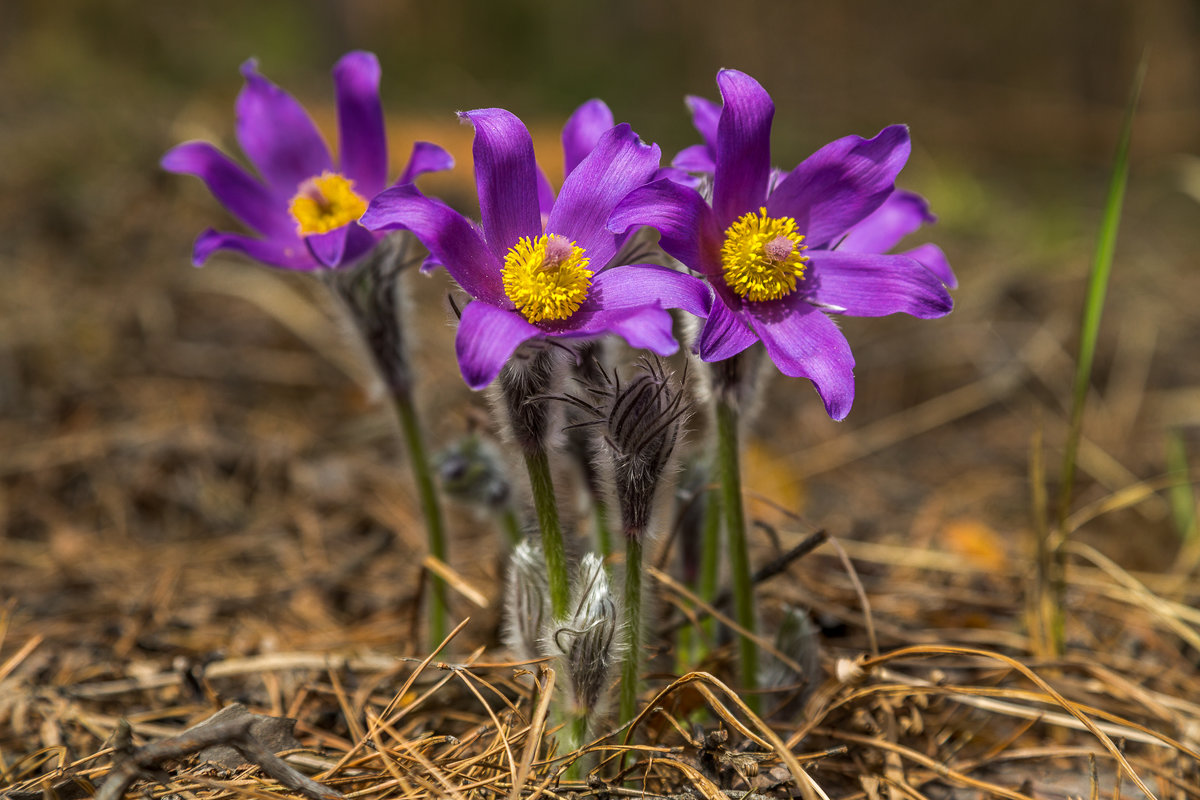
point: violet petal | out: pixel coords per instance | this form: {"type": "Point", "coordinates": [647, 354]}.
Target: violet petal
{"type": "Point", "coordinates": [361, 132]}
{"type": "Point", "coordinates": [277, 135]}
{"type": "Point", "coordinates": [724, 334]}
{"type": "Point", "coordinates": [901, 214]}
{"type": "Point", "coordinates": [487, 337]}
{"type": "Point", "coordinates": [287, 255]}
{"type": "Point", "coordinates": [449, 236]}
{"type": "Point", "coordinates": [934, 260]}
{"type": "Point", "coordinates": [506, 178]}
{"type": "Point", "coordinates": [619, 163]}
{"type": "Point", "coordinates": [686, 226]}
{"type": "Point", "coordinates": [425, 157]}
{"type": "Point", "coordinates": [870, 285]}
{"type": "Point", "coordinates": [841, 184]}
{"type": "Point", "coordinates": [804, 343]}
{"type": "Point", "coordinates": [583, 129]}
{"type": "Point", "coordinates": [743, 147]}
{"type": "Point", "coordinates": [244, 196]}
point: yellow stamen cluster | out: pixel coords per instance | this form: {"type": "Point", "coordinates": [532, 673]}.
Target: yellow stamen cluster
{"type": "Point", "coordinates": [546, 278]}
{"type": "Point", "coordinates": [762, 256]}
{"type": "Point", "coordinates": [325, 203]}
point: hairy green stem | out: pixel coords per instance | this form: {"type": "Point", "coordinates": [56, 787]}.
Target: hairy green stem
{"type": "Point", "coordinates": [631, 668]}
{"type": "Point", "coordinates": [511, 525]}
{"type": "Point", "coordinates": [411, 428]}
{"type": "Point", "coordinates": [546, 506]}
{"type": "Point", "coordinates": [603, 534]}
{"type": "Point", "coordinates": [739, 550]}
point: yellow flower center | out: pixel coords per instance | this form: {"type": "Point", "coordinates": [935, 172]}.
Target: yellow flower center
{"type": "Point", "coordinates": [762, 256]}
{"type": "Point", "coordinates": [325, 203]}
{"type": "Point", "coordinates": [546, 277]}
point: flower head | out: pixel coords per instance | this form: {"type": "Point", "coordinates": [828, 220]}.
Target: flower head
{"type": "Point", "coordinates": [540, 265]}
{"type": "Point", "coordinates": [306, 206]}
{"type": "Point", "coordinates": [773, 245]}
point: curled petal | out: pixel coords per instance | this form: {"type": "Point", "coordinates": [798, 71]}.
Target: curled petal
{"type": "Point", "coordinates": [685, 223]}
{"type": "Point", "coordinates": [804, 343]}
{"type": "Point", "coordinates": [706, 116]}
{"type": "Point", "coordinates": [724, 334]}
{"type": "Point", "coordinates": [426, 157]}
{"type": "Point", "coordinates": [583, 129]}
{"type": "Point", "coordinates": [743, 146]}
{"type": "Point", "coordinates": [901, 214]}
{"type": "Point", "coordinates": [838, 186]}
{"type": "Point", "coordinates": [344, 245]}
{"type": "Point", "coordinates": [641, 285]}
{"type": "Point", "coordinates": [506, 177]}
{"type": "Point", "coordinates": [361, 133]}
{"type": "Point", "coordinates": [287, 255]}
{"type": "Point", "coordinates": [277, 135]}
{"type": "Point", "coordinates": [245, 197]}
{"type": "Point", "coordinates": [487, 337]}
{"type": "Point", "coordinates": [934, 260]}
{"type": "Point", "coordinates": [619, 163]}
{"type": "Point", "coordinates": [867, 285]}
{"type": "Point", "coordinates": [451, 239]}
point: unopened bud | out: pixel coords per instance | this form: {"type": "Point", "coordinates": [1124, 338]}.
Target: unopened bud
{"type": "Point", "coordinates": [472, 471]}
{"type": "Point", "coordinates": [590, 641]}
{"type": "Point", "coordinates": [527, 602]}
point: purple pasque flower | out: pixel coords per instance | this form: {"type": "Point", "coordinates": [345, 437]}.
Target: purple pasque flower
{"type": "Point", "coordinates": [771, 249]}
{"type": "Point", "coordinates": [306, 207]}
{"type": "Point", "coordinates": [901, 214]}
{"type": "Point", "coordinates": [539, 265]}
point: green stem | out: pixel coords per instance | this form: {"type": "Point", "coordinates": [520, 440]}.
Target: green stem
{"type": "Point", "coordinates": [544, 502]}
{"type": "Point", "coordinates": [710, 563]}
{"type": "Point", "coordinates": [603, 534]}
{"type": "Point", "coordinates": [631, 669]}
{"type": "Point", "coordinates": [739, 551]}
{"type": "Point", "coordinates": [411, 428]}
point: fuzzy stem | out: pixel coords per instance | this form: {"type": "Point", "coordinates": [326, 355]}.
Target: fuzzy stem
{"type": "Point", "coordinates": [411, 428]}
{"type": "Point", "coordinates": [603, 534]}
{"type": "Point", "coordinates": [739, 551]}
{"type": "Point", "coordinates": [631, 668]}
{"type": "Point", "coordinates": [710, 563]}
{"type": "Point", "coordinates": [538, 465]}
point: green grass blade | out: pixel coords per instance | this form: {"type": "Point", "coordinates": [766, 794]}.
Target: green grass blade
{"type": "Point", "coordinates": [1093, 307]}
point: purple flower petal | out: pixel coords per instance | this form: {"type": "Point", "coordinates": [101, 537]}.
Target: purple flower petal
{"type": "Point", "coordinates": [646, 328]}
{"type": "Point", "coordinates": [450, 238]}
{"type": "Point", "coordinates": [487, 337]}
{"type": "Point", "coordinates": [618, 164]}
{"type": "Point", "coordinates": [361, 132]}
{"type": "Point", "coordinates": [804, 343]}
{"type": "Point", "coordinates": [934, 260]}
{"type": "Point", "coordinates": [841, 184]}
{"type": "Point", "coordinates": [583, 129]}
{"type": "Point", "coordinates": [901, 214]}
{"type": "Point", "coordinates": [868, 285]}
{"type": "Point", "coordinates": [328, 248]}
{"type": "Point", "coordinates": [277, 135]}
{"type": "Point", "coordinates": [724, 334]}
{"type": "Point", "coordinates": [696, 158]}
{"type": "Point", "coordinates": [426, 157]}
{"type": "Point", "coordinates": [506, 177]}
{"type": "Point", "coordinates": [272, 252]}
{"type": "Point", "coordinates": [743, 147]}
{"type": "Point", "coordinates": [245, 197]}
{"type": "Point", "coordinates": [706, 116]}
{"type": "Point", "coordinates": [641, 285]}
{"type": "Point", "coordinates": [686, 225]}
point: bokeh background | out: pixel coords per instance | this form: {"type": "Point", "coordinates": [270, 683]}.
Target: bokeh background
{"type": "Point", "coordinates": [194, 460]}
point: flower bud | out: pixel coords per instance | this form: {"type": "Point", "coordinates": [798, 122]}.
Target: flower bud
{"type": "Point", "coordinates": [590, 641]}
{"type": "Point", "coordinates": [526, 602]}
{"type": "Point", "coordinates": [472, 471]}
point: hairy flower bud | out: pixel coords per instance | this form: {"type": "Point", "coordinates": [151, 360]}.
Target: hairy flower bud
{"type": "Point", "coordinates": [527, 602]}
{"type": "Point", "coordinates": [373, 295]}
{"type": "Point", "coordinates": [591, 640]}
{"type": "Point", "coordinates": [525, 382]}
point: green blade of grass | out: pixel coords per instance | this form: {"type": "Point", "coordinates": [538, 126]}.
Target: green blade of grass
{"type": "Point", "coordinates": [1093, 307]}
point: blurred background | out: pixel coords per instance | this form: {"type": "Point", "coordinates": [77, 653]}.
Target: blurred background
{"type": "Point", "coordinates": [179, 446]}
